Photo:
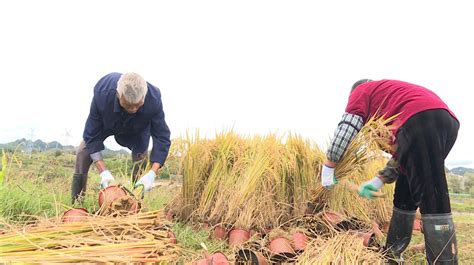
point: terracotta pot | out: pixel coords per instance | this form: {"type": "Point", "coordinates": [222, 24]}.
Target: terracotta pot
{"type": "Point", "coordinates": [376, 229]}
{"type": "Point", "coordinates": [110, 194]}
{"type": "Point", "coordinates": [238, 236]}
{"type": "Point", "coordinates": [75, 215]}
{"type": "Point", "coordinates": [172, 237]}
{"type": "Point", "coordinates": [136, 207]}
{"type": "Point", "coordinates": [281, 250]}
{"type": "Point", "coordinates": [217, 258]}
{"type": "Point", "coordinates": [169, 215]}
{"type": "Point", "coordinates": [367, 238]}
{"type": "Point", "coordinates": [333, 217]}
{"type": "Point", "coordinates": [220, 233]}
{"type": "Point", "coordinates": [261, 259]}
{"type": "Point", "coordinates": [300, 240]}
{"type": "Point", "coordinates": [385, 227]}
{"type": "Point", "coordinates": [247, 256]}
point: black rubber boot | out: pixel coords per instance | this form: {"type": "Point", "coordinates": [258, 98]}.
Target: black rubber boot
{"type": "Point", "coordinates": [399, 233]}
{"type": "Point", "coordinates": [78, 188]}
{"type": "Point", "coordinates": [440, 238]}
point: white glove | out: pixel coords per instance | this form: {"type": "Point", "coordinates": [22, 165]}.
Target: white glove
{"type": "Point", "coordinates": [147, 180]}
{"type": "Point", "coordinates": [105, 179]}
{"type": "Point", "coordinates": [328, 179]}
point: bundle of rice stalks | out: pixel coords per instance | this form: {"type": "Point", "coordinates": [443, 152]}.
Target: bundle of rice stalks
{"type": "Point", "coordinates": [364, 150]}
{"type": "Point", "coordinates": [343, 248]}
{"type": "Point", "coordinates": [247, 182]}
{"type": "Point", "coordinates": [197, 159]}
{"type": "Point", "coordinates": [135, 238]}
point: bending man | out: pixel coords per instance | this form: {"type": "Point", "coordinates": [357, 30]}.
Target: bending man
{"type": "Point", "coordinates": [130, 109]}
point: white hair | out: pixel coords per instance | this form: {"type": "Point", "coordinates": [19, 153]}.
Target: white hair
{"type": "Point", "coordinates": [132, 87]}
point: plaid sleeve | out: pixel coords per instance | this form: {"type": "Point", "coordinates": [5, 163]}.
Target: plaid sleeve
{"type": "Point", "coordinates": [390, 173]}
{"type": "Point", "coordinates": [347, 129]}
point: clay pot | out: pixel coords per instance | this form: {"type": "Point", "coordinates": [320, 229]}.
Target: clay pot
{"type": "Point", "coordinates": [111, 194]}
{"type": "Point", "coordinates": [75, 215]}
{"type": "Point", "coordinates": [172, 237]}
{"type": "Point", "coordinates": [217, 258]}
{"type": "Point", "coordinates": [247, 256]}
{"type": "Point", "coordinates": [385, 227]}
{"type": "Point", "coordinates": [333, 217]}
{"type": "Point", "coordinates": [368, 238]}
{"type": "Point", "coordinates": [300, 240]}
{"type": "Point", "coordinates": [281, 250]}
{"type": "Point", "coordinates": [136, 206]}
{"type": "Point", "coordinates": [169, 215]}
{"type": "Point", "coordinates": [238, 236]}
{"type": "Point", "coordinates": [219, 233]}
{"type": "Point", "coordinates": [376, 229]}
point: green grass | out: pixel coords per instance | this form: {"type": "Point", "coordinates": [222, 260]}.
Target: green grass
{"type": "Point", "coordinates": [191, 238]}
{"type": "Point", "coordinates": [462, 207]}
{"type": "Point", "coordinates": [40, 187]}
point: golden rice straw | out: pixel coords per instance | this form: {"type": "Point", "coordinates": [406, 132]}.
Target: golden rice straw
{"type": "Point", "coordinates": [136, 238]}
{"type": "Point", "coordinates": [365, 147]}
{"type": "Point", "coordinates": [343, 248]}
{"type": "Point", "coordinates": [247, 181]}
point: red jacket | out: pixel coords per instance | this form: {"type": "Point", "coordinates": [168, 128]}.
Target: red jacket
{"type": "Point", "coordinates": [391, 97]}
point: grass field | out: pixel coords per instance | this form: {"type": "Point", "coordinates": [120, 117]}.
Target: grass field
{"type": "Point", "coordinates": [39, 186]}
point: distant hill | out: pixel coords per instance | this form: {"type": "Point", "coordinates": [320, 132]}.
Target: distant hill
{"type": "Point", "coordinates": [40, 146]}
{"type": "Point", "coordinates": [461, 170]}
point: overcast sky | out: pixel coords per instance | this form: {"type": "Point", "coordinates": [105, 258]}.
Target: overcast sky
{"type": "Point", "coordinates": [255, 66]}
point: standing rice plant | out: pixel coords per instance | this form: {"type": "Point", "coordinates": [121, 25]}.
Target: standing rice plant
{"type": "Point", "coordinates": [197, 161]}
{"type": "Point", "coordinates": [229, 147]}
{"type": "Point", "coordinates": [250, 182]}
{"type": "Point", "coordinates": [306, 160]}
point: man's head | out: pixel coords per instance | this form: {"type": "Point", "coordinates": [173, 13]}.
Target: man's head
{"type": "Point", "coordinates": [358, 83]}
{"type": "Point", "coordinates": [131, 91]}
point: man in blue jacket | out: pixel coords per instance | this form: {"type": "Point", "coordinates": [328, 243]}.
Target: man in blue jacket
{"type": "Point", "coordinates": [130, 109]}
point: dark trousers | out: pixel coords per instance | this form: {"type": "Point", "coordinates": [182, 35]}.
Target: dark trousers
{"type": "Point", "coordinates": [424, 141]}
{"type": "Point", "coordinates": [84, 161]}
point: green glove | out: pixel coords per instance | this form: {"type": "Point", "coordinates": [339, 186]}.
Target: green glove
{"type": "Point", "coordinates": [368, 188]}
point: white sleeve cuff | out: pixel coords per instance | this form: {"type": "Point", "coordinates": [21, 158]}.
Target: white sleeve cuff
{"type": "Point", "coordinates": [96, 156]}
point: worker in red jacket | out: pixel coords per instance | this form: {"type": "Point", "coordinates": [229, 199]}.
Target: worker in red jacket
{"type": "Point", "coordinates": [424, 132]}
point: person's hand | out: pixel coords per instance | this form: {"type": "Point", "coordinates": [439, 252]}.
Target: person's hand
{"type": "Point", "coordinates": [106, 179]}
{"type": "Point", "coordinates": [147, 180]}
{"type": "Point", "coordinates": [371, 188]}
{"type": "Point", "coordinates": [328, 178]}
